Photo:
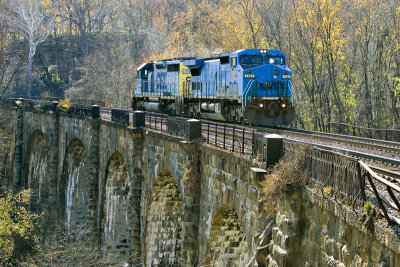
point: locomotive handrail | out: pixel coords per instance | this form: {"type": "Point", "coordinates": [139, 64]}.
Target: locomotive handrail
{"type": "Point", "coordinates": [246, 91]}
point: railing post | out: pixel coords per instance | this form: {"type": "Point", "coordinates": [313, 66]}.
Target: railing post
{"type": "Point", "coordinates": [156, 118]}
{"type": "Point", "coordinates": [216, 130]}
{"type": "Point", "coordinates": [362, 182]}
{"type": "Point", "coordinates": [224, 135]}
{"type": "Point", "coordinates": [95, 112]}
{"type": "Point", "coordinates": [138, 119]}
{"type": "Point", "coordinates": [272, 149]}
{"type": "Point", "coordinates": [193, 129]}
{"type": "Point", "coordinates": [394, 198]}
{"type": "Point", "coordinates": [253, 144]}
{"type": "Point", "coordinates": [378, 198]}
{"type": "Point", "coordinates": [243, 141]}
{"type": "Point", "coordinates": [208, 132]}
{"type": "Point", "coordinates": [233, 139]}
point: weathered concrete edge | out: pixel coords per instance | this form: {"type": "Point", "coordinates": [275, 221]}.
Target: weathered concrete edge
{"type": "Point", "coordinates": [381, 231]}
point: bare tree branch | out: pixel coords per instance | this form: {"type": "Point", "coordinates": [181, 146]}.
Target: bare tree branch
{"type": "Point", "coordinates": [34, 21]}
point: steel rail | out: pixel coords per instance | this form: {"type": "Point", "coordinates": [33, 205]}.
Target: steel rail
{"type": "Point", "coordinates": [350, 152]}
{"type": "Point", "coordinates": [387, 146]}
{"type": "Point", "coordinates": [356, 138]}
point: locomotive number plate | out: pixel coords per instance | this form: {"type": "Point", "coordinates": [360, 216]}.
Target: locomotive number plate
{"type": "Point", "coordinates": [286, 76]}
{"type": "Point", "coordinates": [250, 76]}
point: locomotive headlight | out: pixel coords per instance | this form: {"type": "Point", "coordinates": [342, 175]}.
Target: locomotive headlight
{"type": "Point", "coordinates": [261, 105]}
{"type": "Point", "coordinates": [283, 105]}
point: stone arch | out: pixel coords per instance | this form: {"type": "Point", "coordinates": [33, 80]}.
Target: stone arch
{"type": "Point", "coordinates": [163, 242]}
{"type": "Point", "coordinates": [227, 245]}
{"type": "Point", "coordinates": [117, 206]}
{"type": "Point", "coordinates": [36, 176]}
{"type": "Point", "coordinates": [74, 191]}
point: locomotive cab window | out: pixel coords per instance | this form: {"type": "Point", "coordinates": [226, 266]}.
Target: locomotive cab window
{"type": "Point", "coordinates": [144, 74]}
{"type": "Point", "coordinates": [224, 60]}
{"type": "Point", "coordinates": [250, 61]}
{"type": "Point", "coordinates": [173, 67]}
{"type": "Point", "coordinates": [233, 62]}
{"type": "Point", "coordinates": [275, 60]}
{"type": "Point", "coordinates": [195, 71]}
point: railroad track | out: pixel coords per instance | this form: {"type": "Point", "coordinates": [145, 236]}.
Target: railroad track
{"type": "Point", "coordinates": [222, 134]}
{"type": "Point", "coordinates": [237, 138]}
{"type": "Point", "coordinates": [386, 149]}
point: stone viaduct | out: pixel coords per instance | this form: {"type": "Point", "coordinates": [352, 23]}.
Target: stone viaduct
{"type": "Point", "coordinates": [163, 200]}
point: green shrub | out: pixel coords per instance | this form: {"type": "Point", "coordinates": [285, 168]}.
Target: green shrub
{"type": "Point", "coordinates": [17, 225]}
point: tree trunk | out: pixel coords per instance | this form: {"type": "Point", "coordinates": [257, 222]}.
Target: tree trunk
{"type": "Point", "coordinates": [30, 65]}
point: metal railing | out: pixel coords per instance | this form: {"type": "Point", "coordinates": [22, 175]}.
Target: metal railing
{"type": "Point", "coordinates": [157, 122]}
{"type": "Point", "coordinates": [337, 176]}
{"type": "Point", "coordinates": [76, 101]}
{"type": "Point", "coordinates": [386, 193]}
{"type": "Point", "coordinates": [236, 139]}
{"type": "Point", "coordinates": [384, 134]}
{"type": "Point", "coordinates": [349, 181]}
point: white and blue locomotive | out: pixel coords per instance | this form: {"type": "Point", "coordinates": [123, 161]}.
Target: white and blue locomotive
{"type": "Point", "coordinates": [251, 86]}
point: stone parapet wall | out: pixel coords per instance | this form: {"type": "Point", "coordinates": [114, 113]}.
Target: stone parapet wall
{"type": "Point", "coordinates": [225, 183]}
{"type": "Point", "coordinates": [312, 230]}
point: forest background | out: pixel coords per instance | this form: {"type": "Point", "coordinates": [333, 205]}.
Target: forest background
{"type": "Point", "coordinates": [344, 54]}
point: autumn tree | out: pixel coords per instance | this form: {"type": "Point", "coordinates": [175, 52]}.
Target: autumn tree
{"type": "Point", "coordinates": [17, 224]}
{"type": "Point", "coordinates": [84, 18]}
{"type": "Point", "coordinates": [10, 61]}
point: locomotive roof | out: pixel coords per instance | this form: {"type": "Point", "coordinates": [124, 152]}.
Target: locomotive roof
{"type": "Point", "coordinates": [144, 66]}
{"type": "Point", "coordinates": [192, 62]}
{"type": "Point", "coordinates": [271, 52]}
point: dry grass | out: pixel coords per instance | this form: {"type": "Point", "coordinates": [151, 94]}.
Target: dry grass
{"type": "Point", "coordinates": [286, 176]}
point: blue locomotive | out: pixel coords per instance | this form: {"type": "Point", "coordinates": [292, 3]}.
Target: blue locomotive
{"type": "Point", "coordinates": [252, 86]}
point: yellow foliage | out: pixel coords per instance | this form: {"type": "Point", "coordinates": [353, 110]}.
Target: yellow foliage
{"type": "Point", "coordinates": [64, 104]}
{"type": "Point", "coordinates": [327, 190]}
{"type": "Point", "coordinates": [15, 221]}
{"type": "Point", "coordinates": [46, 3]}
{"type": "Point", "coordinates": [368, 207]}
